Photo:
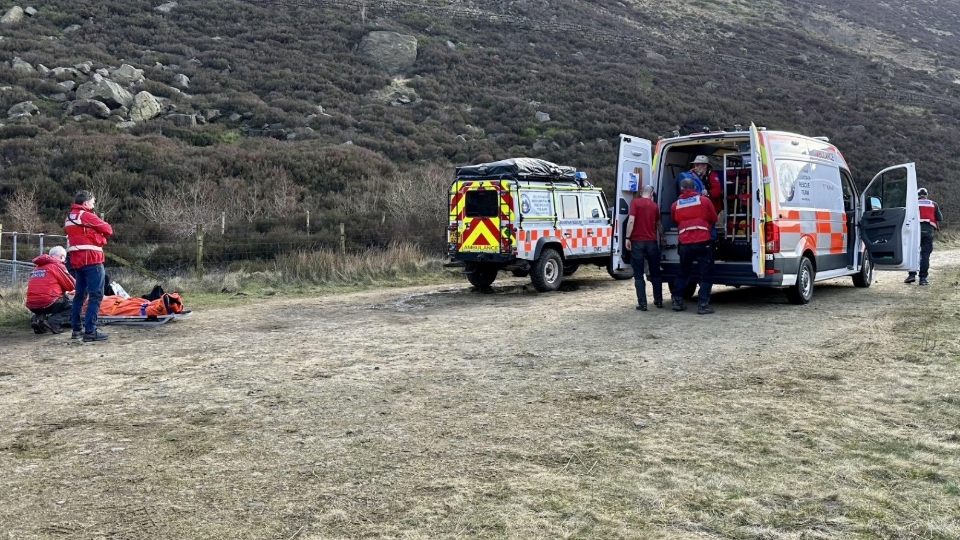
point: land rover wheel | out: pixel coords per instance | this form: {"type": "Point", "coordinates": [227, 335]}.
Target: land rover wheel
{"type": "Point", "coordinates": [482, 276]}
{"type": "Point", "coordinates": [802, 291]}
{"type": "Point", "coordinates": [570, 268]}
{"type": "Point", "coordinates": [864, 277]}
{"type": "Point", "coordinates": [619, 275]}
{"type": "Point", "coordinates": [547, 272]}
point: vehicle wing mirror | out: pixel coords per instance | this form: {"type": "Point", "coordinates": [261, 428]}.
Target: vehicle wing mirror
{"type": "Point", "coordinates": [596, 213]}
{"type": "Point", "coordinates": [874, 204]}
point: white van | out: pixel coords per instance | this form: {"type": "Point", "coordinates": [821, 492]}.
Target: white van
{"type": "Point", "coordinates": [791, 213]}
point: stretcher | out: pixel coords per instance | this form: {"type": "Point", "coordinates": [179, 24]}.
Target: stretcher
{"type": "Point", "coordinates": [137, 320]}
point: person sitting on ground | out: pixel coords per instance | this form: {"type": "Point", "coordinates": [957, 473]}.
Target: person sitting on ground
{"type": "Point", "coordinates": [48, 292]}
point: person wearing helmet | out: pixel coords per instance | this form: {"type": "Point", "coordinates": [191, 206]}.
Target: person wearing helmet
{"type": "Point", "coordinates": [930, 218]}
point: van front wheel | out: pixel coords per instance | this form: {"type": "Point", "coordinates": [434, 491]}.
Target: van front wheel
{"type": "Point", "coordinates": [864, 277]}
{"type": "Point", "coordinates": [802, 291]}
{"type": "Point", "coordinates": [547, 272]}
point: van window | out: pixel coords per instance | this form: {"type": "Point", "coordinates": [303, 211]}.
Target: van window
{"type": "Point", "coordinates": [482, 204]}
{"type": "Point", "coordinates": [592, 206]}
{"type": "Point", "coordinates": [849, 192]}
{"type": "Point", "coordinates": [891, 189]}
{"type": "Point", "coordinates": [809, 185]}
{"type": "Point", "coordinates": [570, 207]}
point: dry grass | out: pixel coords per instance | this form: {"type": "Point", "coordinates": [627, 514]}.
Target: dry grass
{"type": "Point", "coordinates": [443, 413]}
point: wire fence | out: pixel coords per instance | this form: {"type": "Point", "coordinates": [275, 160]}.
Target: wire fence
{"type": "Point", "coordinates": [223, 246]}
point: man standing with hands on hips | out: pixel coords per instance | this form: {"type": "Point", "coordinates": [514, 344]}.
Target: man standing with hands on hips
{"type": "Point", "coordinates": [644, 232]}
{"type": "Point", "coordinates": [86, 236]}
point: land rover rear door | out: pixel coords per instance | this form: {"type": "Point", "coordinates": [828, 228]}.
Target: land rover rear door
{"type": "Point", "coordinates": [890, 219]}
{"type": "Point", "coordinates": [634, 170]}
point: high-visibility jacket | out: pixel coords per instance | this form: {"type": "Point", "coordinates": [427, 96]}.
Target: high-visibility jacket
{"type": "Point", "coordinates": [695, 217]}
{"type": "Point", "coordinates": [928, 212]}
{"type": "Point", "coordinates": [86, 236]}
{"type": "Point", "coordinates": [48, 282]}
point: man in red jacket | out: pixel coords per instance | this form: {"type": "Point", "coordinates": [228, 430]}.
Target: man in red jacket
{"type": "Point", "coordinates": [86, 235]}
{"type": "Point", "coordinates": [47, 291]}
{"type": "Point", "coordinates": [695, 217]}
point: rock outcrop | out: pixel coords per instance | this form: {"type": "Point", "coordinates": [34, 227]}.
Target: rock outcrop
{"type": "Point", "coordinates": [13, 15]}
{"type": "Point", "coordinates": [23, 109]}
{"type": "Point", "coordinates": [105, 90]}
{"type": "Point", "coordinates": [94, 108]}
{"type": "Point", "coordinates": [145, 106]}
{"type": "Point", "coordinates": [392, 51]}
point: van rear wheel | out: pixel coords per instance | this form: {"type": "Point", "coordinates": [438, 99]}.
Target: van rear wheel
{"type": "Point", "coordinates": [802, 291]}
{"type": "Point", "coordinates": [482, 276]}
{"type": "Point", "coordinates": [570, 268]}
{"type": "Point", "coordinates": [864, 277]}
{"type": "Point", "coordinates": [547, 272]}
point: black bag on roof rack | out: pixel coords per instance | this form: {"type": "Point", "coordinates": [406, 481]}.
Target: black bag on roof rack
{"type": "Point", "coordinates": [518, 169]}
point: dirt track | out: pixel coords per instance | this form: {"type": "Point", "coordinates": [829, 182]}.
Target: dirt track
{"type": "Point", "coordinates": [310, 415]}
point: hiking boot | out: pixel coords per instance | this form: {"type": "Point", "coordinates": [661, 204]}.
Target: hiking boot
{"type": "Point", "coordinates": [658, 305]}
{"type": "Point", "coordinates": [96, 336]}
{"type": "Point", "coordinates": [910, 279]}
{"type": "Point", "coordinates": [642, 307]}
{"type": "Point", "coordinates": [76, 334]}
{"type": "Point", "coordinates": [37, 325]}
{"type": "Point", "coordinates": [704, 310]}
{"type": "Point", "coordinates": [53, 328]}
{"type": "Point", "coordinates": [923, 281]}
{"type": "Point", "coordinates": [678, 305]}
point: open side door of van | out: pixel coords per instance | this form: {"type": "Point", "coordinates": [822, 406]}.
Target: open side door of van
{"type": "Point", "coordinates": [634, 170]}
{"type": "Point", "coordinates": [761, 178]}
{"type": "Point", "coordinates": [890, 219]}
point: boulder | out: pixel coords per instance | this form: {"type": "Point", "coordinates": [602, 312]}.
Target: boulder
{"type": "Point", "coordinates": [67, 85]}
{"type": "Point", "coordinates": [109, 92]}
{"type": "Point", "coordinates": [542, 116]}
{"type": "Point", "coordinates": [126, 74]}
{"type": "Point", "coordinates": [145, 106]}
{"type": "Point", "coordinates": [94, 108]}
{"type": "Point", "coordinates": [42, 69]}
{"type": "Point", "coordinates": [30, 11]}
{"type": "Point", "coordinates": [60, 98]}
{"type": "Point", "coordinates": [23, 109]}
{"type": "Point", "coordinates": [22, 66]}
{"type": "Point", "coordinates": [165, 8]}
{"type": "Point", "coordinates": [62, 73]}
{"type": "Point", "coordinates": [84, 67]}
{"type": "Point", "coordinates": [72, 28]}
{"type": "Point", "coordinates": [183, 120]}
{"type": "Point", "coordinates": [234, 117]}
{"type": "Point", "coordinates": [126, 125]}
{"type": "Point", "coordinates": [13, 15]}
{"type": "Point", "coordinates": [181, 80]}
{"type": "Point", "coordinates": [394, 52]}
{"type": "Point", "coordinates": [211, 114]}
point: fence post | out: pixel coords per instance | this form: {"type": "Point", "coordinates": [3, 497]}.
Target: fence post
{"type": "Point", "coordinates": [41, 243]}
{"type": "Point", "coordinates": [343, 243]}
{"type": "Point", "coordinates": [308, 222]}
{"type": "Point", "coordinates": [199, 250]}
{"type": "Point", "coordinates": [223, 223]}
{"type": "Point", "coordinates": [14, 258]}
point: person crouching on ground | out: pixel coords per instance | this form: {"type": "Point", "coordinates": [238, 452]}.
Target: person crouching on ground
{"type": "Point", "coordinates": [86, 236]}
{"type": "Point", "coordinates": [695, 217]}
{"type": "Point", "coordinates": [48, 291]}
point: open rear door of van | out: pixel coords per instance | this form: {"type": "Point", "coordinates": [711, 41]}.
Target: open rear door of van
{"type": "Point", "coordinates": [634, 170]}
{"type": "Point", "coordinates": [890, 219]}
{"type": "Point", "coordinates": [761, 178]}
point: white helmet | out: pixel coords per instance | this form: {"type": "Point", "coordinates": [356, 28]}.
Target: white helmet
{"type": "Point", "coordinates": [922, 192]}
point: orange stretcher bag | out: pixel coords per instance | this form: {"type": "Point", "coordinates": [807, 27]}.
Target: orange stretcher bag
{"type": "Point", "coordinates": [118, 306]}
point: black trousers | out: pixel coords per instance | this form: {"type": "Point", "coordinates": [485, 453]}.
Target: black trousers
{"type": "Point", "coordinates": [649, 252]}
{"type": "Point", "coordinates": [55, 313]}
{"type": "Point", "coordinates": [702, 254]}
{"type": "Point", "coordinates": [926, 248]}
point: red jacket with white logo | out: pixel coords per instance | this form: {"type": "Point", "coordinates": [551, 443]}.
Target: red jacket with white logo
{"type": "Point", "coordinates": [86, 234]}
{"type": "Point", "coordinates": [695, 217]}
{"type": "Point", "coordinates": [928, 212]}
{"type": "Point", "coordinates": [48, 282]}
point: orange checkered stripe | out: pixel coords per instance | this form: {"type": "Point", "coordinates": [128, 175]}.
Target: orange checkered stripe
{"type": "Point", "coordinates": [578, 239]}
{"type": "Point", "coordinates": [826, 232]}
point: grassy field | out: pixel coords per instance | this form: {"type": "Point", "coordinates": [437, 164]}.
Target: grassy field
{"type": "Point", "coordinates": [436, 412]}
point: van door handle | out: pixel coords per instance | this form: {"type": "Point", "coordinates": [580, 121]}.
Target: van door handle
{"type": "Point", "coordinates": [567, 234]}
{"type": "Point", "coordinates": [589, 232]}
